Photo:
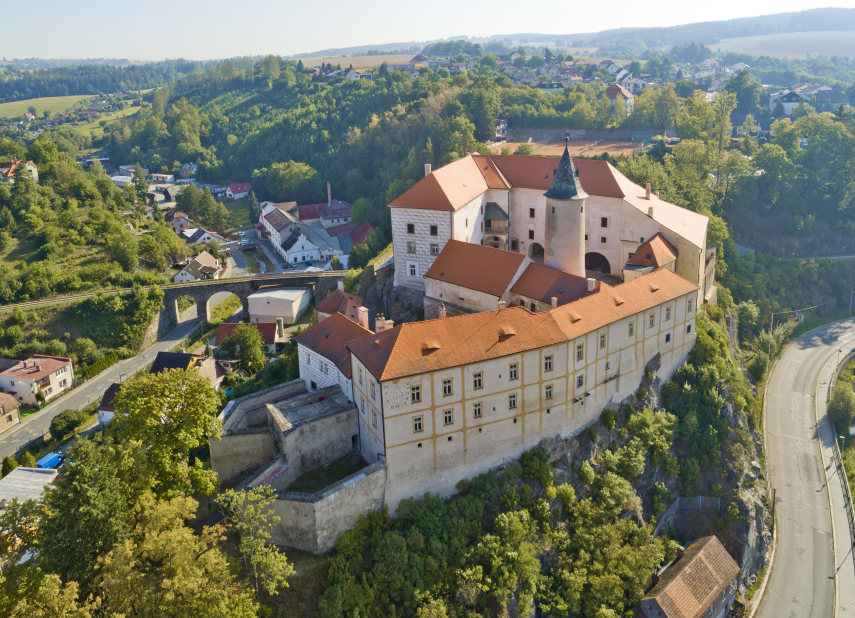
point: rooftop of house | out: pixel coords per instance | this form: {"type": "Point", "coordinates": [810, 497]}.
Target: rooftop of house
{"type": "Point", "coordinates": [543, 283]}
{"type": "Point", "coordinates": [456, 184]}
{"type": "Point", "coordinates": [24, 484]}
{"type": "Point", "coordinates": [616, 89]}
{"type": "Point", "coordinates": [7, 403]}
{"type": "Point", "coordinates": [340, 302]}
{"type": "Point", "coordinates": [656, 252]}
{"type": "Point", "coordinates": [212, 369]}
{"type": "Point", "coordinates": [360, 233]}
{"type": "Point", "coordinates": [689, 586]}
{"type": "Point", "coordinates": [329, 338]}
{"type": "Point", "coordinates": [108, 397]}
{"type": "Point", "coordinates": [36, 367]}
{"type": "Point", "coordinates": [267, 330]}
{"type": "Point", "coordinates": [420, 347]}
{"type": "Point", "coordinates": [334, 210]}
{"type": "Point", "coordinates": [171, 360]}
{"type": "Point", "coordinates": [278, 219]}
{"type": "Point", "coordinates": [475, 267]}
{"type": "Point", "coordinates": [245, 187]}
{"type": "Point", "coordinates": [202, 264]}
{"type": "Point", "coordinates": [8, 170]}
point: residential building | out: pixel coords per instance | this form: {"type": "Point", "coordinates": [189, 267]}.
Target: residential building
{"type": "Point", "coordinates": [48, 375]}
{"type": "Point", "coordinates": [202, 266]}
{"type": "Point", "coordinates": [162, 178]}
{"type": "Point", "coordinates": [789, 99]}
{"type": "Point", "coordinates": [122, 181]}
{"type": "Point", "coordinates": [341, 302]}
{"type": "Point", "coordinates": [177, 220]}
{"type": "Point", "coordinates": [272, 305]}
{"type": "Point", "coordinates": [188, 170]}
{"type": "Point", "coordinates": [272, 334]}
{"type": "Point", "coordinates": [297, 249]}
{"type": "Point", "coordinates": [717, 84]}
{"type": "Point", "coordinates": [130, 170]}
{"type": "Point", "coordinates": [10, 171]}
{"type": "Point", "coordinates": [619, 95]}
{"type": "Point", "coordinates": [200, 236]}
{"type": "Point", "coordinates": [700, 583]}
{"type": "Point", "coordinates": [106, 410]}
{"type": "Point", "coordinates": [827, 100]}
{"type": "Point", "coordinates": [739, 66]}
{"type": "Point", "coordinates": [501, 128]}
{"type": "Point", "coordinates": [634, 84]}
{"type": "Point", "coordinates": [323, 356]}
{"type": "Point", "coordinates": [10, 412]}
{"type": "Point", "coordinates": [334, 212]}
{"type": "Point", "coordinates": [23, 484]}
{"type": "Point", "coordinates": [238, 191]}
{"type": "Point", "coordinates": [710, 63]}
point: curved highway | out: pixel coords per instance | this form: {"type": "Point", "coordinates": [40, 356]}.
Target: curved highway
{"type": "Point", "coordinates": [813, 564]}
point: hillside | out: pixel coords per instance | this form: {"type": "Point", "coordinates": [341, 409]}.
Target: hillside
{"type": "Point", "coordinates": [793, 44]}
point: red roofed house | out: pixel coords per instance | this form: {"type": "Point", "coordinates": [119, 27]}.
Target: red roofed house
{"type": "Point", "coordinates": [700, 583]}
{"type": "Point", "coordinates": [361, 232]}
{"type": "Point", "coordinates": [618, 95]}
{"type": "Point", "coordinates": [655, 253]}
{"type": "Point", "coordinates": [271, 334]}
{"type": "Point", "coordinates": [106, 411]}
{"type": "Point", "coordinates": [10, 412]}
{"type": "Point", "coordinates": [324, 359]}
{"type": "Point", "coordinates": [340, 302]}
{"type": "Point", "coordinates": [308, 213]}
{"type": "Point", "coordinates": [49, 375]}
{"type": "Point", "coordinates": [238, 191]}
{"type": "Point", "coordinates": [7, 173]}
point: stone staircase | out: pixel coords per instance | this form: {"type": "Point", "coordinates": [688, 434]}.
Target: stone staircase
{"type": "Point", "coordinates": [266, 474]}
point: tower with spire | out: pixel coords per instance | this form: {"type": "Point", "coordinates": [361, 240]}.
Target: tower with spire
{"type": "Point", "coordinates": [565, 219]}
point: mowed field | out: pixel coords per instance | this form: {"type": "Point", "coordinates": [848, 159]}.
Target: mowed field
{"type": "Point", "coordinates": [585, 147]}
{"type": "Point", "coordinates": [358, 62]}
{"type": "Point", "coordinates": [54, 105]}
{"type": "Point", "coordinates": [95, 125]}
{"type": "Point", "coordinates": [792, 45]}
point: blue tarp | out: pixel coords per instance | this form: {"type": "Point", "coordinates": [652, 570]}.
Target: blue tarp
{"type": "Point", "coordinates": [49, 461]}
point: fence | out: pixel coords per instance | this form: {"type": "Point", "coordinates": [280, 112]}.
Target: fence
{"type": "Point", "coordinates": [847, 491]}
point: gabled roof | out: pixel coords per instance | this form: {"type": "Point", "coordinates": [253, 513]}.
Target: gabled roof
{"type": "Point", "coordinates": [476, 267]}
{"type": "Point", "coordinates": [334, 209]}
{"type": "Point", "coordinates": [340, 302]}
{"type": "Point", "coordinates": [8, 171]}
{"type": "Point", "coordinates": [36, 367]}
{"type": "Point", "coordinates": [267, 330]}
{"type": "Point", "coordinates": [277, 219]}
{"type": "Point", "coordinates": [616, 89]}
{"type": "Point", "coordinates": [245, 187]}
{"type": "Point", "coordinates": [171, 360]}
{"type": "Point", "coordinates": [109, 396]}
{"type": "Point", "coordinates": [420, 347]}
{"type": "Point", "coordinates": [361, 232]}
{"type": "Point", "coordinates": [656, 252]}
{"type": "Point", "coordinates": [688, 587]}
{"type": "Point", "coordinates": [448, 188]}
{"type": "Point", "coordinates": [7, 403]}
{"type": "Point", "coordinates": [308, 212]}
{"type": "Point", "coordinates": [494, 212]}
{"type": "Point", "coordinates": [542, 283]}
{"type": "Point", "coordinates": [328, 338]}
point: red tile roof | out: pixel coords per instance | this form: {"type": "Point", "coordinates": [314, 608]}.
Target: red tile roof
{"type": "Point", "coordinates": [361, 232]}
{"type": "Point", "coordinates": [307, 212]}
{"type": "Point", "coordinates": [476, 267]}
{"type": "Point", "coordinates": [340, 302]}
{"type": "Point", "coordinates": [7, 403]}
{"type": "Point", "coordinates": [655, 252]}
{"type": "Point", "coordinates": [341, 230]}
{"type": "Point", "coordinates": [420, 347]}
{"type": "Point", "coordinates": [36, 367]}
{"type": "Point", "coordinates": [542, 283]}
{"type": "Point", "coordinates": [448, 188]}
{"type": "Point", "coordinates": [267, 330]}
{"type": "Point", "coordinates": [616, 89]}
{"type": "Point", "coordinates": [8, 171]}
{"type": "Point", "coordinates": [241, 188]}
{"type": "Point", "coordinates": [328, 338]}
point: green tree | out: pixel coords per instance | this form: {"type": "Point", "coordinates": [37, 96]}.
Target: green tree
{"type": "Point", "coordinates": [335, 263]}
{"type": "Point", "coordinates": [8, 465]}
{"type": "Point", "coordinates": [247, 342]}
{"type": "Point", "coordinates": [254, 207]}
{"type": "Point", "coordinates": [66, 422]}
{"type": "Point", "coordinates": [53, 599]}
{"type": "Point", "coordinates": [524, 149]}
{"type": "Point", "coordinates": [778, 111]}
{"type": "Point", "coordinates": [172, 412]}
{"type": "Point", "coordinates": [28, 460]}
{"type": "Point", "coordinates": [747, 91]}
{"type": "Point", "coordinates": [801, 110]}
{"type": "Point", "coordinates": [482, 102]}
{"type": "Point", "coordinates": [288, 181]}
{"type": "Point", "coordinates": [841, 408]}
{"type": "Point", "coordinates": [248, 511]}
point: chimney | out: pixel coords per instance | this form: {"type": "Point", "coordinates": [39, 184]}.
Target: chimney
{"type": "Point", "coordinates": [592, 284]}
{"type": "Point", "coordinates": [648, 191]}
{"type": "Point", "coordinates": [280, 327]}
{"type": "Point", "coordinates": [427, 169]}
{"type": "Point", "coordinates": [650, 211]}
{"type": "Point", "coordinates": [468, 153]}
{"type": "Point", "coordinates": [657, 194]}
{"type": "Point", "coordinates": [554, 301]}
{"type": "Point", "coordinates": [501, 304]}
{"type": "Point", "coordinates": [389, 324]}
{"type": "Point", "coordinates": [362, 317]}
{"type": "Point", "coordinates": [680, 551]}
{"type": "Point", "coordinates": [442, 312]}
{"type": "Point", "coordinates": [329, 194]}
{"type": "Point", "coordinates": [340, 283]}
{"type": "Point", "coordinates": [379, 323]}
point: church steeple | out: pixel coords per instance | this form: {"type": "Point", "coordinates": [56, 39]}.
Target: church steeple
{"type": "Point", "coordinates": [565, 182]}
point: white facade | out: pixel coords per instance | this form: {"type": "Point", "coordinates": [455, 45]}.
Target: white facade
{"type": "Point", "coordinates": [267, 307]}
{"type": "Point", "coordinates": [318, 372]}
{"type": "Point", "coordinates": [301, 251]}
{"type": "Point", "coordinates": [24, 388]}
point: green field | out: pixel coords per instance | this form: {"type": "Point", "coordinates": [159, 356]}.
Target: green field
{"type": "Point", "coordinates": [358, 62]}
{"type": "Point", "coordinates": [239, 212]}
{"type": "Point", "coordinates": [95, 125]}
{"type": "Point", "coordinates": [54, 105]}
{"type": "Point", "coordinates": [792, 45]}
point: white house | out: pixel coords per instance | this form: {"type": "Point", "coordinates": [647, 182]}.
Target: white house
{"type": "Point", "coordinates": [48, 375]}
{"type": "Point", "coordinates": [323, 358]}
{"type": "Point", "coordinates": [7, 173]}
{"type": "Point", "coordinates": [297, 248]}
{"type": "Point", "coordinates": [203, 266]}
{"type": "Point", "coordinates": [200, 236]}
{"type": "Point", "coordinates": [236, 192]}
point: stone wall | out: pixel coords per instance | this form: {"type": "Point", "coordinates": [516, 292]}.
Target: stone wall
{"type": "Point", "coordinates": [151, 334]}
{"type": "Point", "coordinates": [236, 412]}
{"type": "Point", "coordinates": [313, 522]}
{"type": "Point", "coordinates": [432, 309]}
{"type": "Point", "coordinates": [240, 449]}
{"type": "Point", "coordinates": [320, 442]}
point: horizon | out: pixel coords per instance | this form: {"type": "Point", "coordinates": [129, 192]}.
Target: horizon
{"type": "Point", "coordinates": [213, 33]}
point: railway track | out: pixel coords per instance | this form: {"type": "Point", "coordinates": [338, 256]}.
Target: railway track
{"type": "Point", "coordinates": [58, 300]}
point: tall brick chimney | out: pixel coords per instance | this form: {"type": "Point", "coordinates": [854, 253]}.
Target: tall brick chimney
{"type": "Point", "coordinates": [362, 316]}
{"type": "Point", "coordinates": [329, 194]}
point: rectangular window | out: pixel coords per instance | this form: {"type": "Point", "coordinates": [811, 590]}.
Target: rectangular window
{"type": "Point", "coordinates": [631, 329]}
{"type": "Point", "coordinates": [688, 329]}
{"type": "Point", "coordinates": [447, 417]}
{"type": "Point", "coordinates": [363, 404]}
{"type": "Point", "coordinates": [415, 394]}
{"type": "Point", "coordinates": [608, 365]}
{"type": "Point", "coordinates": [413, 271]}
{"type": "Point", "coordinates": [667, 313]}
{"type": "Point", "coordinates": [411, 228]}
{"type": "Point", "coordinates": [602, 341]}
{"type": "Point", "coordinates": [604, 222]}
{"type": "Point", "coordinates": [580, 381]}
{"type": "Point", "coordinates": [547, 363]}
{"type": "Point", "coordinates": [477, 381]}
{"type": "Point", "coordinates": [417, 424]}
{"type": "Point", "coordinates": [668, 338]}
{"type": "Point", "coordinates": [580, 351]}
{"type": "Point", "coordinates": [477, 410]}
{"type": "Point", "coordinates": [433, 231]}
{"type": "Point", "coordinates": [549, 392]}
{"type": "Point", "coordinates": [531, 234]}
{"type": "Point", "coordinates": [375, 419]}
{"type": "Point", "coordinates": [631, 254]}
{"type": "Point", "coordinates": [652, 320]}
{"type": "Point", "coordinates": [446, 387]}
{"type": "Point", "coordinates": [603, 239]}
{"type": "Point", "coordinates": [531, 212]}
{"type": "Point", "coordinates": [689, 306]}
{"type": "Point", "coordinates": [373, 392]}
{"type": "Point", "coordinates": [434, 249]}
{"type": "Point", "coordinates": [411, 247]}
{"type": "Point", "coordinates": [514, 371]}
{"type": "Point", "coordinates": [359, 370]}
{"type": "Point", "coordinates": [512, 401]}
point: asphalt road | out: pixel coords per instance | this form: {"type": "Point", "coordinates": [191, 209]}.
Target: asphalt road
{"type": "Point", "coordinates": [92, 390]}
{"type": "Point", "coordinates": [802, 581]}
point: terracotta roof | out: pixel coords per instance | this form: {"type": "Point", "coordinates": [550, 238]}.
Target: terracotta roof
{"type": "Point", "coordinates": [328, 338]}
{"type": "Point", "coordinates": [8, 171]}
{"type": "Point", "coordinates": [340, 302]}
{"type": "Point", "coordinates": [361, 232]}
{"type": "Point", "coordinates": [476, 267]}
{"type": "Point", "coordinates": [341, 230]}
{"type": "Point", "coordinates": [7, 403]}
{"type": "Point", "coordinates": [109, 395]}
{"type": "Point", "coordinates": [688, 587]}
{"type": "Point", "coordinates": [36, 367]}
{"type": "Point", "coordinates": [542, 283]}
{"type": "Point", "coordinates": [267, 330]}
{"type": "Point", "coordinates": [308, 211]}
{"type": "Point", "coordinates": [616, 89]}
{"type": "Point", "coordinates": [448, 188]}
{"type": "Point", "coordinates": [245, 187]}
{"type": "Point", "coordinates": [655, 252]}
{"type": "Point", "coordinates": [419, 347]}
{"type": "Point", "coordinates": [492, 174]}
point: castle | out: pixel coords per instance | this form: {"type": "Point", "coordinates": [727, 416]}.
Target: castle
{"type": "Point", "coordinates": [522, 343]}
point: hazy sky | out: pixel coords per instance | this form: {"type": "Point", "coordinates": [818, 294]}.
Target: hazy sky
{"type": "Point", "coordinates": [193, 29]}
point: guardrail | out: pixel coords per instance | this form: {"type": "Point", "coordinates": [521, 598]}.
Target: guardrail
{"type": "Point", "coordinates": [847, 490]}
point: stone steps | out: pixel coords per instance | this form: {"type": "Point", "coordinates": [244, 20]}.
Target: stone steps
{"type": "Point", "coordinates": [265, 474]}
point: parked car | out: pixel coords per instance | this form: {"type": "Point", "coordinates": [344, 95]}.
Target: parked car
{"type": "Point", "coordinates": [285, 265]}
{"type": "Point", "coordinates": [308, 262]}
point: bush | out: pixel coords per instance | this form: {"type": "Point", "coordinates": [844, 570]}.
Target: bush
{"type": "Point", "coordinates": [535, 466]}
{"type": "Point", "coordinates": [67, 421]}
{"type": "Point", "coordinates": [841, 408]}
{"type": "Point", "coordinates": [28, 460]}
{"type": "Point", "coordinates": [586, 473]}
{"type": "Point", "coordinates": [609, 418]}
{"type": "Point", "coordinates": [9, 464]}
{"type": "Point", "coordinates": [567, 495]}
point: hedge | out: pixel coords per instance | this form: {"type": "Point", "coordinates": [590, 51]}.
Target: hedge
{"type": "Point", "coordinates": [101, 365]}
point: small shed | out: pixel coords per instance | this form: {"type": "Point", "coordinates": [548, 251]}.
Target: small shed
{"type": "Point", "coordinates": [266, 306]}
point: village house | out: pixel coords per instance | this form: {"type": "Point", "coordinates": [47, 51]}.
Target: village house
{"type": "Point", "coordinates": [177, 220]}
{"type": "Point", "coordinates": [200, 236]}
{"type": "Point", "coordinates": [618, 95]}
{"type": "Point", "coordinates": [323, 356]}
{"type": "Point", "coordinates": [188, 169]}
{"type": "Point", "coordinates": [202, 266]}
{"type": "Point", "coordinates": [238, 191]}
{"type": "Point", "coordinates": [162, 178]}
{"type": "Point", "coordinates": [789, 99]}
{"type": "Point", "coordinates": [10, 410]}
{"type": "Point", "coordinates": [10, 171]}
{"type": "Point", "coordinates": [48, 375]}
{"type": "Point", "coordinates": [341, 302]}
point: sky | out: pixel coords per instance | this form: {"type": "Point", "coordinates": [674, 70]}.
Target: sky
{"type": "Point", "coordinates": [198, 30]}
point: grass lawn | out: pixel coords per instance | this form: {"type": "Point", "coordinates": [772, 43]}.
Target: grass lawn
{"type": "Point", "coordinates": [317, 479]}
{"type": "Point", "coordinates": [54, 105]}
{"type": "Point", "coordinates": [261, 255]}
{"type": "Point", "coordinates": [239, 211]}
{"type": "Point", "coordinates": [224, 309]}
{"type": "Point", "coordinates": [252, 264]}
{"type": "Point", "coordinates": [95, 124]}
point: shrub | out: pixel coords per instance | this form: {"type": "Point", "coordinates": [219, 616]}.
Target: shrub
{"type": "Point", "coordinates": [567, 495]}
{"type": "Point", "coordinates": [27, 460]}
{"type": "Point", "coordinates": [659, 498]}
{"type": "Point", "coordinates": [609, 418]}
{"type": "Point", "coordinates": [9, 464]}
{"type": "Point", "coordinates": [66, 422]}
{"type": "Point", "coordinates": [586, 473]}
{"type": "Point", "coordinates": [841, 408]}
{"type": "Point", "coordinates": [535, 466]}
{"type": "Point", "coordinates": [463, 486]}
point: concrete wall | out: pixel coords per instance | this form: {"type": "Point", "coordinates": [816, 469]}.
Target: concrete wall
{"type": "Point", "coordinates": [240, 449]}
{"type": "Point", "coordinates": [313, 522]}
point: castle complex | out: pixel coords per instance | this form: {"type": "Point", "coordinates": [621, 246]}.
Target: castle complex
{"type": "Point", "coordinates": [547, 288]}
